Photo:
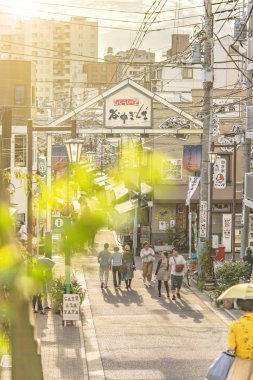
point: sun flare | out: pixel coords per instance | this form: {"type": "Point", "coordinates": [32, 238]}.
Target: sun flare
{"type": "Point", "coordinates": [21, 7]}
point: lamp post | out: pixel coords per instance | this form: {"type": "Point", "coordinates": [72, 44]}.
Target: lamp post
{"type": "Point", "coordinates": [74, 148]}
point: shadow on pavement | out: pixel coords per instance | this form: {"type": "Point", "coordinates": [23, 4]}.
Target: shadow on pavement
{"type": "Point", "coordinates": [180, 307]}
{"type": "Point", "coordinates": [125, 296]}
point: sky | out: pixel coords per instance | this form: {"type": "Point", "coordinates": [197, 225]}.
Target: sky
{"type": "Point", "coordinates": [113, 16]}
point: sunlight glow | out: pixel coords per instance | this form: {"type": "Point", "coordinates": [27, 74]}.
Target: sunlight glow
{"type": "Point", "coordinates": [20, 8]}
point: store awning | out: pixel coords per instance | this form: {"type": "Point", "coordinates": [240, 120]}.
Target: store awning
{"type": "Point", "coordinates": [120, 191]}
{"type": "Point", "coordinates": [126, 206]}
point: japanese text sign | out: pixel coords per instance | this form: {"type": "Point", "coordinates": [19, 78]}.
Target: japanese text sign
{"type": "Point", "coordinates": [202, 219]}
{"type": "Point", "coordinates": [128, 108]}
{"type": "Point", "coordinates": [219, 173]}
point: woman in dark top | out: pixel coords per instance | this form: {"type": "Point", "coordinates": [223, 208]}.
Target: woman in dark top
{"type": "Point", "coordinates": [162, 273]}
{"type": "Point", "coordinates": [129, 264]}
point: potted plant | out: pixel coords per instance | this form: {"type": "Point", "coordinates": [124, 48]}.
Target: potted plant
{"type": "Point", "coordinates": [57, 290]}
{"type": "Point", "coordinates": [227, 275]}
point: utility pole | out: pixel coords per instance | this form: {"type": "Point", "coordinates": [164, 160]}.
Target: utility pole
{"type": "Point", "coordinates": [206, 113]}
{"type": "Point", "coordinates": [5, 155]}
{"type": "Point", "coordinates": [247, 142]}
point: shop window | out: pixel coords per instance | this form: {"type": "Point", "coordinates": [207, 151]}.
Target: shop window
{"type": "Point", "coordinates": [20, 150]}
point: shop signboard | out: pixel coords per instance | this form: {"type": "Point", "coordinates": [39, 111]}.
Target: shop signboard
{"type": "Point", "coordinates": [227, 231]}
{"type": "Point", "coordinates": [128, 108]}
{"type": "Point", "coordinates": [203, 219]}
{"type": "Point", "coordinates": [71, 307]}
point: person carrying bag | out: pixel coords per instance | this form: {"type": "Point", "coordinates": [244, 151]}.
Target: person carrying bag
{"type": "Point", "coordinates": [220, 368]}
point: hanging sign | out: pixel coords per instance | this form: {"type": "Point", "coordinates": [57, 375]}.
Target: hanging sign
{"type": "Point", "coordinates": [203, 219]}
{"type": "Point", "coordinates": [193, 184]}
{"type": "Point", "coordinates": [226, 231]}
{"type": "Point", "coordinates": [71, 307]}
{"type": "Point", "coordinates": [192, 158]}
{"type": "Point", "coordinates": [219, 173]}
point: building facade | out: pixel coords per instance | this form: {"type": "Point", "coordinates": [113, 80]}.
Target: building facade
{"type": "Point", "coordinates": [59, 50]}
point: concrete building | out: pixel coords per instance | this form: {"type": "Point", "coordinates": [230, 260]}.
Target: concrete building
{"type": "Point", "coordinates": [176, 80]}
{"type": "Point", "coordinates": [59, 50]}
{"type": "Point", "coordinates": [18, 89]}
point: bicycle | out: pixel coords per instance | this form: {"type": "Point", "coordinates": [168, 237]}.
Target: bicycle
{"type": "Point", "coordinates": [191, 271]}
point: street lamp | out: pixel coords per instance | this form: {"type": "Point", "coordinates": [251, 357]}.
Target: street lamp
{"type": "Point", "coordinates": [74, 148]}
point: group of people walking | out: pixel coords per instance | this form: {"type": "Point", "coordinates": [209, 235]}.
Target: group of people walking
{"type": "Point", "coordinates": [122, 265]}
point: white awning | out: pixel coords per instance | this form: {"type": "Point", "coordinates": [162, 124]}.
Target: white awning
{"type": "Point", "coordinates": [126, 206]}
{"type": "Point", "coordinates": [120, 191]}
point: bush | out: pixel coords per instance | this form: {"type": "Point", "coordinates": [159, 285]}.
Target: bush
{"type": "Point", "coordinates": [57, 289]}
{"type": "Point", "coordinates": [229, 274]}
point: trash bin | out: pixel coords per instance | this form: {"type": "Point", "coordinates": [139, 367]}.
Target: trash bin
{"type": "Point", "coordinates": [220, 253]}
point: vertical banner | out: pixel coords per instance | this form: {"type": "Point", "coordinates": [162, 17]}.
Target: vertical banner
{"type": "Point", "coordinates": [192, 158]}
{"type": "Point", "coordinates": [203, 219]}
{"type": "Point", "coordinates": [226, 231]}
{"type": "Point", "coordinates": [193, 184]}
{"type": "Point", "coordinates": [219, 173]}
{"type": "Point", "coordinates": [42, 166]}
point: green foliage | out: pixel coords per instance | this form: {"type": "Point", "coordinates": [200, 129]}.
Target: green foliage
{"type": "Point", "coordinates": [57, 290]}
{"type": "Point", "coordinates": [229, 274]}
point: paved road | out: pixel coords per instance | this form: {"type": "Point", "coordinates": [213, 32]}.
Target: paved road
{"type": "Point", "coordinates": [142, 337]}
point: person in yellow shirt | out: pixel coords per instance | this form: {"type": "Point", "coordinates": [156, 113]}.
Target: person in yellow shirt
{"type": "Point", "coordinates": [240, 342]}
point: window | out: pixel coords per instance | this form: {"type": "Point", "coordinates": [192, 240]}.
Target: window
{"type": "Point", "coordinates": [20, 150]}
{"type": "Point", "coordinates": [187, 73]}
{"type": "Point", "coordinates": [19, 95]}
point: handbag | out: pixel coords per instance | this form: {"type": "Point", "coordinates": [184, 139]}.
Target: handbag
{"type": "Point", "coordinates": [123, 268]}
{"type": "Point", "coordinates": [178, 267]}
{"type": "Point", "coordinates": [219, 369]}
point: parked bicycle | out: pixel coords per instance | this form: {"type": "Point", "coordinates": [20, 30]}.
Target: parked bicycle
{"type": "Point", "coordinates": [181, 241]}
{"type": "Point", "coordinates": [191, 271]}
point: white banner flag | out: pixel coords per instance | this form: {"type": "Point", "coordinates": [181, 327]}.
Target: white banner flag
{"type": "Point", "coordinates": [193, 184]}
{"type": "Point", "coordinates": [219, 173]}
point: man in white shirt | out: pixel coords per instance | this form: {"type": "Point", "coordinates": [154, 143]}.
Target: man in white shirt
{"type": "Point", "coordinates": [148, 257]}
{"type": "Point", "coordinates": [22, 233]}
{"type": "Point", "coordinates": [176, 264]}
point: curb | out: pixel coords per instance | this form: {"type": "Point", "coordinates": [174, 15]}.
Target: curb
{"type": "Point", "coordinates": [203, 297]}
{"type": "Point", "coordinates": [93, 357]}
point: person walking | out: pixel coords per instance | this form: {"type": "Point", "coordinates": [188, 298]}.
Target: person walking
{"type": "Point", "coordinates": [129, 264]}
{"type": "Point", "coordinates": [22, 233]}
{"type": "Point", "coordinates": [249, 260]}
{"type": "Point", "coordinates": [240, 342]}
{"type": "Point", "coordinates": [162, 273]}
{"type": "Point", "coordinates": [148, 257]}
{"type": "Point", "coordinates": [116, 266]}
{"type": "Point", "coordinates": [104, 259]}
{"type": "Point", "coordinates": [176, 263]}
